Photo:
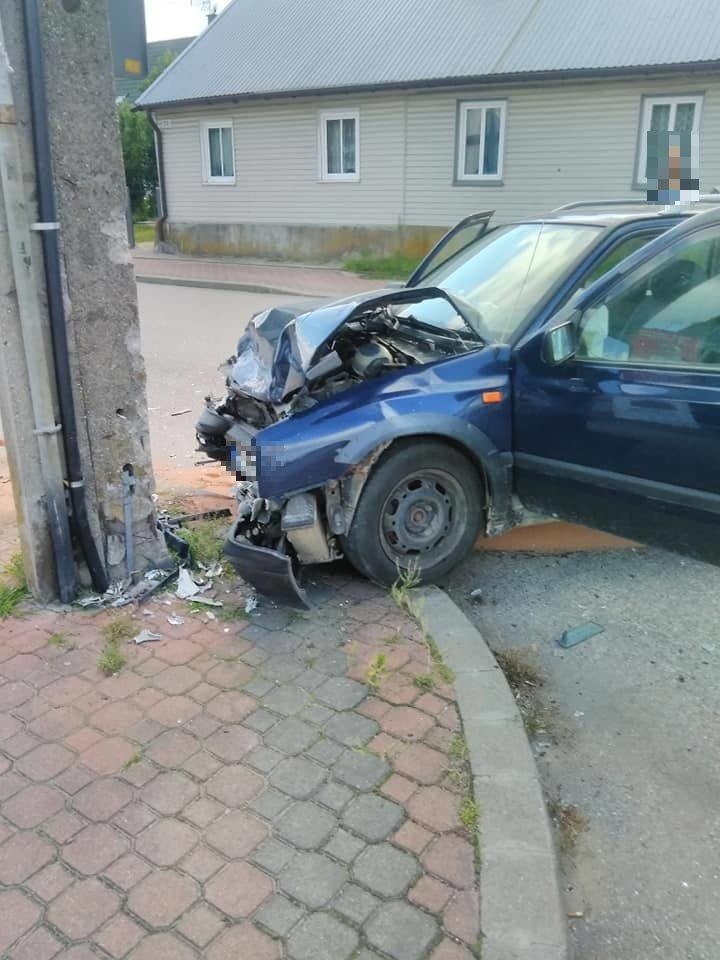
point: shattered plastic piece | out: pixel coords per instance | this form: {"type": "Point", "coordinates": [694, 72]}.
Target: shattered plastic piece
{"type": "Point", "coordinates": [116, 589]}
{"type": "Point", "coordinates": [180, 413]}
{"type": "Point", "coordinates": [213, 571]}
{"type": "Point", "coordinates": [477, 595]}
{"type": "Point", "coordinates": [155, 574]}
{"type": "Point", "coordinates": [251, 604]}
{"type": "Point", "coordinates": [95, 601]}
{"type": "Point", "coordinates": [207, 601]}
{"type": "Point", "coordinates": [210, 615]}
{"type": "Point", "coordinates": [186, 587]}
{"type": "Point", "coordinates": [175, 621]}
{"type": "Point", "coordinates": [145, 636]}
{"type": "Point", "coordinates": [579, 634]}
{"type": "Point", "coordinates": [578, 714]}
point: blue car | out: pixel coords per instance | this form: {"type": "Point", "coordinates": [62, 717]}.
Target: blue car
{"type": "Point", "coordinates": [569, 364]}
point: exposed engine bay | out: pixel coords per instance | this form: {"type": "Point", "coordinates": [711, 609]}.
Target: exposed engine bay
{"type": "Point", "coordinates": [288, 362]}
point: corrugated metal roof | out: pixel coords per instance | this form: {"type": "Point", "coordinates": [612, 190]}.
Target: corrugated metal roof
{"type": "Point", "coordinates": [291, 46]}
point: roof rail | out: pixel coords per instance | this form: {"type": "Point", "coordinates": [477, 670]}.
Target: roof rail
{"type": "Point", "coordinates": [703, 198]}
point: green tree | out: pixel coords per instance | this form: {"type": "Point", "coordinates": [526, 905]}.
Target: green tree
{"type": "Point", "coordinates": [138, 147]}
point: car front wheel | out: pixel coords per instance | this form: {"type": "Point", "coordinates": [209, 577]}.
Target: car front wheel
{"type": "Point", "coordinates": [421, 510]}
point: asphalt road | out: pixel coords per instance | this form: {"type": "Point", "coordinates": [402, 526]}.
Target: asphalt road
{"type": "Point", "coordinates": [187, 332]}
{"type": "Point", "coordinates": [637, 743]}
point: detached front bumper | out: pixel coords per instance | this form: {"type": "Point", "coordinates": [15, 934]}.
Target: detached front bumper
{"type": "Point", "coordinates": [269, 571]}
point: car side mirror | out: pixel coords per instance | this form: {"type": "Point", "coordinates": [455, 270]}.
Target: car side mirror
{"type": "Point", "coordinates": [560, 343]}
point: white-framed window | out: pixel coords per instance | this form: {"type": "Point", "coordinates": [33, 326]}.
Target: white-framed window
{"type": "Point", "coordinates": [678, 114]}
{"type": "Point", "coordinates": [218, 150]}
{"type": "Point", "coordinates": [481, 136]}
{"type": "Point", "coordinates": [340, 145]}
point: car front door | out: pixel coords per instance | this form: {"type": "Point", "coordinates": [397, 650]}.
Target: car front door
{"type": "Point", "coordinates": [624, 434]}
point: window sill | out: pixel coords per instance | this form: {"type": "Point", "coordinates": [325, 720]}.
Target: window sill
{"type": "Point", "coordinates": [340, 178]}
{"type": "Point", "coordinates": [479, 182]}
{"type": "Point", "coordinates": [220, 182]}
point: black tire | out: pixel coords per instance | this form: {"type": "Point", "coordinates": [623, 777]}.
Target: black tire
{"type": "Point", "coordinates": [422, 507]}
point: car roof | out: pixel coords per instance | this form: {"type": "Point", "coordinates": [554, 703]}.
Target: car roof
{"type": "Point", "coordinates": [613, 213]}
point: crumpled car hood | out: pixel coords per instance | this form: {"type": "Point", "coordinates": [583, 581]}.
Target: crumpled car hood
{"type": "Point", "coordinates": [280, 346]}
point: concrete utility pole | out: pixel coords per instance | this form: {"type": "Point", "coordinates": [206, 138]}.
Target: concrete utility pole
{"type": "Point", "coordinates": [107, 368]}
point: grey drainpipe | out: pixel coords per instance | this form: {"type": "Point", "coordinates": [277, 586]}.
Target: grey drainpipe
{"type": "Point", "coordinates": [160, 156]}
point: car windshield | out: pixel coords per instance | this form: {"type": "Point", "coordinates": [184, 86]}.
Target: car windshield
{"type": "Point", "coordinates": [506, 273]}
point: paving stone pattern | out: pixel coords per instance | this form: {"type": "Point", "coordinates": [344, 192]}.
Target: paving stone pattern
{"type": "Point", "coordinates": [236, 792]}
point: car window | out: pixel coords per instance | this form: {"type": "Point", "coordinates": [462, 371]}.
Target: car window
{"type": "Point", "coordinates": [462, 237]}
{"type": "Point", "coordinates": [507, 273]}
{"type": "Point", "coordinates": [615, 255]}
{"type": "Point", "coordinates": [670, 315]}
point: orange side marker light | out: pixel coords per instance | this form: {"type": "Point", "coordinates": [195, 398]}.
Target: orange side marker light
{"type": "Point", "coordinates": [492, 396]}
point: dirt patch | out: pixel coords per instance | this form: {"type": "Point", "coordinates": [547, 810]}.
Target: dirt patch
{"type": "Point", "coordinates": [9, 539]}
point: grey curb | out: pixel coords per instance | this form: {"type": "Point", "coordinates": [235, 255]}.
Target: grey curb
{"type": "Point", "coordinates": [222, 285]}
{"type": "Point", "coordinates": [522, 909]}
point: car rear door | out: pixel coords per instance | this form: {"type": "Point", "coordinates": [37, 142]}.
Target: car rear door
{"type": "Point", "coordinates": [625, 435]}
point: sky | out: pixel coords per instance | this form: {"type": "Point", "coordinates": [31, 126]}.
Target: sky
{"type": "Point", "coordinates": [166, 19]}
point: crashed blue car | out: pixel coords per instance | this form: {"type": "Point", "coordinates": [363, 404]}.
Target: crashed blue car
{"type": "Point", "coordinates": [565, 363]}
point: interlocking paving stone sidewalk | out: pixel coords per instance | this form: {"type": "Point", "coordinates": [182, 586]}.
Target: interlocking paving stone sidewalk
{"type": "Point", "coordinates": [293, 278]}
{"type": "Point", "coordinates": [236, 792]}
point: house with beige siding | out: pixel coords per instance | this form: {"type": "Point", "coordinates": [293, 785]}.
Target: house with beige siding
{"type": "Point", "coordinates": [315, 128]}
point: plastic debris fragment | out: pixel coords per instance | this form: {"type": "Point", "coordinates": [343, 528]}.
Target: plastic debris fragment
{"type": "Point", "coordinates": [145, 636]}
{"type": "Point", "coordinates": [575, 635]}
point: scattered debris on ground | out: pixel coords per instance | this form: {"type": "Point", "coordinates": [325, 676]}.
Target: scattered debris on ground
{"type": "Point", "coordinates": [146, 636]}
{"type": "Point", "coordinates": [526, 680]}
{"type": "Point", "coordinates": [579, 634]}
{"type": "Point", "coordinates": [569, 822]}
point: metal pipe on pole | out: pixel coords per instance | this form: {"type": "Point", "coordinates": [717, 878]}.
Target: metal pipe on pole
{"type": "Point", "coordinates": [37, 360]}
{"type": "Point", "coordinates": [49, 227]}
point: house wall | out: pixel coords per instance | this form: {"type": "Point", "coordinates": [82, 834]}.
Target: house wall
{"type": "Point", "coordinates": [563, 142]}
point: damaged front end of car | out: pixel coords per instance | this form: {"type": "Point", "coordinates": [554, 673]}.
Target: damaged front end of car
{"type": "Point", "coordinates": [301, 447]}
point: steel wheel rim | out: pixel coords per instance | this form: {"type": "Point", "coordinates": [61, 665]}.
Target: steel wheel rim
{"type": "Point", "coordinates": [423, 519]}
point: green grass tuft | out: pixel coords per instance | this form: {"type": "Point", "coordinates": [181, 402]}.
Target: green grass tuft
{"type": "Point", "coordinates": [425, 681]}
{"type": "Point", "coordinates": [121, 628]}
{"type": "Point", "coordinates": [13, 588]}
{"type": "Point", "coordinates": [111, 660]}
{"type": "Point", "coordinates": [408, 578]}
{"type": "Point", "coordinates": [62, 640]}
{"type": "Point", "coordinates": [131, 761]}
{"type": "Point", "coordinates": [458, 752]}
{"type": "Point", "coordinates": [205, 539]}
{"type": "Point", "coordinates": [446, 674]}
{"type": "Point", "coordinates": [469, 814]}
{"type": "Point", "coordinates": [377, 668]}
{"type": "Point", "coordinates": [394, 266]}
{"type": "Point", "coordinates": [144, 233]}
